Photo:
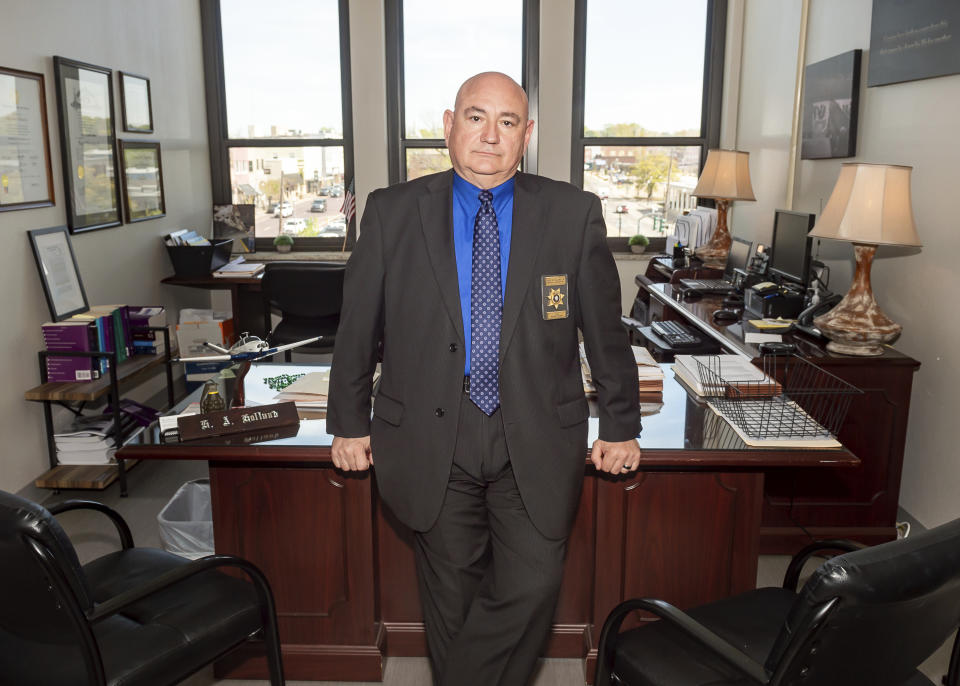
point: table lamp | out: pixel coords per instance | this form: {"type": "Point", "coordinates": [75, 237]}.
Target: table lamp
{"type": "Point", "coordinates": [725, 178]}
{"type": "Point", "coordinates": [869, 206]}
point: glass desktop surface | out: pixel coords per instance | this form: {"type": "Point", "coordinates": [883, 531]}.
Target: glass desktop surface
{"type": "Point", "coordinates": [683, 423]}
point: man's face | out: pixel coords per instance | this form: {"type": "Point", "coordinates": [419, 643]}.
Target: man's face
{"type": "Point", "coordinates": [489, 131]}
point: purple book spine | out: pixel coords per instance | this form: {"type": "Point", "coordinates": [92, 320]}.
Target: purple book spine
{"type": "Point", "coordinates": [71, 338]}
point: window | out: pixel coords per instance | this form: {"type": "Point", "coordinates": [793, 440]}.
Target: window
{"type": "Point", "coordinates": [433, 48]}
{"type": "Point", "coordinates": [280, 116]}
{"type": "Point", "coordinates": [646, 107]}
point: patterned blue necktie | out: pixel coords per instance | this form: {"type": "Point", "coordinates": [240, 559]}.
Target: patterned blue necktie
{"type": "Point", "coordinates": [486, 309]}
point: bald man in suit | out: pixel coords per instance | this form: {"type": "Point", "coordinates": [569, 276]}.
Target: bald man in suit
{"type": "Point", "coordinates": [477, 282]}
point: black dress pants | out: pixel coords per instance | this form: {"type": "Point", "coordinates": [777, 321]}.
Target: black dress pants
{"type": "Point", "coordinates": [488, 579]}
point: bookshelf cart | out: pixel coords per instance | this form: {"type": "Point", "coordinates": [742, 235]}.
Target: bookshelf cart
{"type": "Point", "coordinates": [74, 395]}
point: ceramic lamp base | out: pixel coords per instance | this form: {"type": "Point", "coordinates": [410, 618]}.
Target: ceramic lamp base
{"type": "Point", "coordinates": [714, 253]}
{"type": "Point", "coordinates": [857, 325]}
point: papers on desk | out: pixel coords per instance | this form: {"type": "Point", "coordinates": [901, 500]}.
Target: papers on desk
{"type": "Point", "coordinates": [649, 373]}
{"type": "Point", "coordinates": [734, 370]}
{"type": "Point", "coordinates": [790, 414]}
{"type": "Point", "coordinates": [775, 324]}
{"type": "Point", "coordinates": [169, 422]}
{"type": "Point", "coordinates": [310, 391]}
{"type": "Point", "coordinates": [762, 338]}
{"type": "Point", "coordinates": [239, 268]}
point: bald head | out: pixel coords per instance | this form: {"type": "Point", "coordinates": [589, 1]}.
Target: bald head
{"type": "Point", "coordinates": [488, 131]}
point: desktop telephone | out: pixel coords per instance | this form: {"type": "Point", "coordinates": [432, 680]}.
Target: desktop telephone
{"type": "Point", "coordinates": [826, 304]}
{"type": "Point", "coordinates": [759, 260]}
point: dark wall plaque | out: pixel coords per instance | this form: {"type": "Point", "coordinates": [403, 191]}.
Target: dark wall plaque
{"type": "Point", "coordinates": [913, 39]}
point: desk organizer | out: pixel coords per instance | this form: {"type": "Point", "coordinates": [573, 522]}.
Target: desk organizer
{"type": "Point", "coordinates": [802, 402]}
{"type": "Point", "coordinates": [199, 260]}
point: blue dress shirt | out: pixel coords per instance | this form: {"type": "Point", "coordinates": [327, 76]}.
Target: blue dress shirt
{"type": "Point", "coordinates": [466, 204]}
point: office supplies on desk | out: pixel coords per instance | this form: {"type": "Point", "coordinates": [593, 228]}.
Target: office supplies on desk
{"type": "Point", "coordinates": [762, 338]}
{"type": "Point", "coordinates": [649, 372]}
{"type": "Point", "coordinates": [725, 316]}
{"type": "Point", "coordinates": [739, 255]}
{"type": "Point", "coordinates": [720, 375]}
{"type": "Point", "coordinates": [239, 268]}
{"type": "Point", "coordinates": [676, 334]}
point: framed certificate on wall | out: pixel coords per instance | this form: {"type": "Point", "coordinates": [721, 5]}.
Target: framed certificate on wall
{"type": "Point", "coordinates": [91, 178]}
{"type": "Point", "coordinates": [26, 179]}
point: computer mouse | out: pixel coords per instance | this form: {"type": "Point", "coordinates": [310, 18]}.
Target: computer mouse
{"type": "Point", "coordinates": [692, 294]}
{"type": "Point", "coordinates": [725, 315]}
{"type": "Point", "coordinates": [733, 301]}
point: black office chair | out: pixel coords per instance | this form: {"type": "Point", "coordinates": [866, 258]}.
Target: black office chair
{"type": "Point", "coordinates": [867, 617]}
{"type": "Point", "coordinates": [136, 617]}
{"type": "Point", "coordinates": [308, 296]}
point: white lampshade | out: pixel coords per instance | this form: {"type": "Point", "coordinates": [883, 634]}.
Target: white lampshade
{"type": "Point", "coordinates": [726, 176]}
{"type": "Point", "coordinates": [870, 204]}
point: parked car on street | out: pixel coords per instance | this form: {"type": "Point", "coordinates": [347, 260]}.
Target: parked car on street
{"type": "Point", "coordinates": [335, 229]}
{"type": "Point", "coordinates": [622, 209]}
{"type": "Point", "coordinates": [318, 205]}
{"type": "Point", "coordinates": [283, 209]}
{"type": "Point", "coordinates": [336, 191]}
{"type": "Point", "coordinates": [295, 226]}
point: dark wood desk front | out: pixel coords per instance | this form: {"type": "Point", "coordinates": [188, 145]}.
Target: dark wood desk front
{"type": "Point", "coordinates": [684, 528]}
{"type": "Point", "coordinates": [832, 503]}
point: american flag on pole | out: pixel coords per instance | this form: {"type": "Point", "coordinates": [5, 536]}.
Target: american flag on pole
{"type": "Point", "coordinates": [349, 207]}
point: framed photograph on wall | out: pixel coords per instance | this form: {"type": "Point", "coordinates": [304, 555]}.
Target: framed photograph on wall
{"type": "Point", "coordinates": [831, 101]}
{"type": "Point", "coordinates": [142, 181]}
{"type": "Point", "coordinates": [135, 103]}
{"type": "Point", "coordinates": [236, 222]}
{"type": "Point", "coordinates": [26, 178]}
{"type": "Point", "coordinates": [90, 178]}
{"type": "Point", "coordinates": [59, 275]}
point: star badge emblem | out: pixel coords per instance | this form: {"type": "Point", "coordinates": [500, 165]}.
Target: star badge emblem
{"type": "Point", "coordinates": [556, 297]}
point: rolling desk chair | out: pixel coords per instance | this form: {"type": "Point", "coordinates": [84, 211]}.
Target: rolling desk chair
{"type": "Point", "coordinates": [868, 617]}
{"type": "Point", "coordinates": [308, 296]}
{"type": "Point", "coordinates": [135, 617]}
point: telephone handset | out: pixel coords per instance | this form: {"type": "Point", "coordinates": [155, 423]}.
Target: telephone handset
{"type": "Point", "coordinates": [826, 304]}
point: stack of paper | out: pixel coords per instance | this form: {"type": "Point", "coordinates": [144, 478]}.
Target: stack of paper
{"type": "Point", "coordinates": [309, 391]}
{"type": "Point", "coordinates": [89, 443]}
{"type": "Point", "coordinates": [239, 268]}
{"type": "Point", "coordinates": [169, 421]}
{"type": "Point", "coordinates": [731, 370]}
{"type": "Point", "coordinates": [649, 373]}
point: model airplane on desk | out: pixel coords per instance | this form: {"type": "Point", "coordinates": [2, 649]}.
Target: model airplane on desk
{"type": "Point", "coordinates": [247, 348]}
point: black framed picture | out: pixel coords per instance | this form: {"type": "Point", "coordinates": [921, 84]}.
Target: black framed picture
{"type": "Point", "coordinates": [142, 181]}
{"type": "Point", "coordinates": [26, 177]}
{"type": "Point", "coordinates": [59, 275]}
{"type": "Point", "coordinates": [135, 103]}
{"type": "Point", "coordinates": [831, 101]}
{"type": "Point", "coordinates": [88, 145]}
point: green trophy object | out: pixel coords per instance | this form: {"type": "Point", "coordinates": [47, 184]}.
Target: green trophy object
{"type": "Point", "coordinates": [210, 399]}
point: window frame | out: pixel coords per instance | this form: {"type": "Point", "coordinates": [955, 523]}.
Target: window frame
{"type": "Point", "coordinates": [397, 142]}
{"type": "Point", "coordinates": [220, 141]}
{"type": "Point", "coordinates": [712, 101]}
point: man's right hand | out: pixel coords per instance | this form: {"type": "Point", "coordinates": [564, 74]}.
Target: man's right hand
{"type": "Point", "coordinates": [351, 454]}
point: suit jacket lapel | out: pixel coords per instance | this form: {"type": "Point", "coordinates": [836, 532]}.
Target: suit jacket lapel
{"type": "Point", "coordinates": [525, 241]}
{"type": "Point", "coordinates": [436, 221]}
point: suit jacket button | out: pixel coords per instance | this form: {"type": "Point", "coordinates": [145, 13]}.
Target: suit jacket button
{"type": "Point", "coordinates": [438, 411]}
{"type": "Point", "coordinates": [453, 347]}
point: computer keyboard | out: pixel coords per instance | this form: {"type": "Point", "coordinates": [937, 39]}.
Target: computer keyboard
{"type": "Point", "coordinates": [675, 334]}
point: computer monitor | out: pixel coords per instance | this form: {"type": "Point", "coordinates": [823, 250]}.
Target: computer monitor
{"type": "Point", "coordinates": [738, 257]}
{"type": "Point", "coordinates": [790, 260]}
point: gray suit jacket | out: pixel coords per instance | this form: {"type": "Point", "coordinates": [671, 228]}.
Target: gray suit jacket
{"type": "Point", "coordinates": [401, 288]}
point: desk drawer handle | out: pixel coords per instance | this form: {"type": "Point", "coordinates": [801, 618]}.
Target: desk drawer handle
{"type": "Point", "coordinates": [632, 486]}
{"type": "Point", "coordinates": [336, 484]}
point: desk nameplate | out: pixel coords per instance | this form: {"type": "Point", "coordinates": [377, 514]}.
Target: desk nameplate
{"type": "Point", "coordinates": [238, 420]}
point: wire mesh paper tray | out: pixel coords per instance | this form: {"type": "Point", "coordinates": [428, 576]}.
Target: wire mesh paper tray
{"type": "Point", "coordinates": [798, 400]}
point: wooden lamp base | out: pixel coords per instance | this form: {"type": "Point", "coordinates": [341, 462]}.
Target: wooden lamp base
{"type": "Point", "coordinates": [857, 325]}
{"type": "Point", "coordinates": [714, 253]}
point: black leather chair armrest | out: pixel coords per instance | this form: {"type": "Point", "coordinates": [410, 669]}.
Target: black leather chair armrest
{"type": "Point", "coordinates": [119, 602]}
{"type": "Point", "coordinates": [126, 538]}
{"type": "Point", "coordinates": [792, 575]}
{"type": "Point", "coordinates": [683, 621]}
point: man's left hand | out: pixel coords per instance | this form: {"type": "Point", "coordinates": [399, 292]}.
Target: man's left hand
{"type": "Point", "coordinates": [616, 458]}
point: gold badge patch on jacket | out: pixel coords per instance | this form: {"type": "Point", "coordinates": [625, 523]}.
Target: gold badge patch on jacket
{"type": "Point", "coordinates": [554, 297]}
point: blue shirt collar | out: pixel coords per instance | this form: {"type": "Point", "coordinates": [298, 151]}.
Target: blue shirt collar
{"type": "Point", "coordinates": [465, 189]}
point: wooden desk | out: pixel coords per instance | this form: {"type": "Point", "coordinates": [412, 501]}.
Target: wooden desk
{"type": "Point", "coordinates": [685, 528]}
{"type": "Point", "coordinates": [800, 503]}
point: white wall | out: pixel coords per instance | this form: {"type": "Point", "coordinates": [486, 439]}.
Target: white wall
{"type": "Point", "coordinates": [160, 40]}
{"type": "Point", "coordinates": [913, 124]}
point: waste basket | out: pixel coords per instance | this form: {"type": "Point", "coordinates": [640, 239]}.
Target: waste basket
{"type": "Point", "coordinates": [186, 522]}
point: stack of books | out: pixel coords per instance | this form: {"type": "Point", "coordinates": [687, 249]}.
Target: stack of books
{"type": "Point", "coordinates": [730, 374]}
{"type": "Point", "coordinates": [239, 268]}
{"type": "Point", "coordinates": [103, 328]}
